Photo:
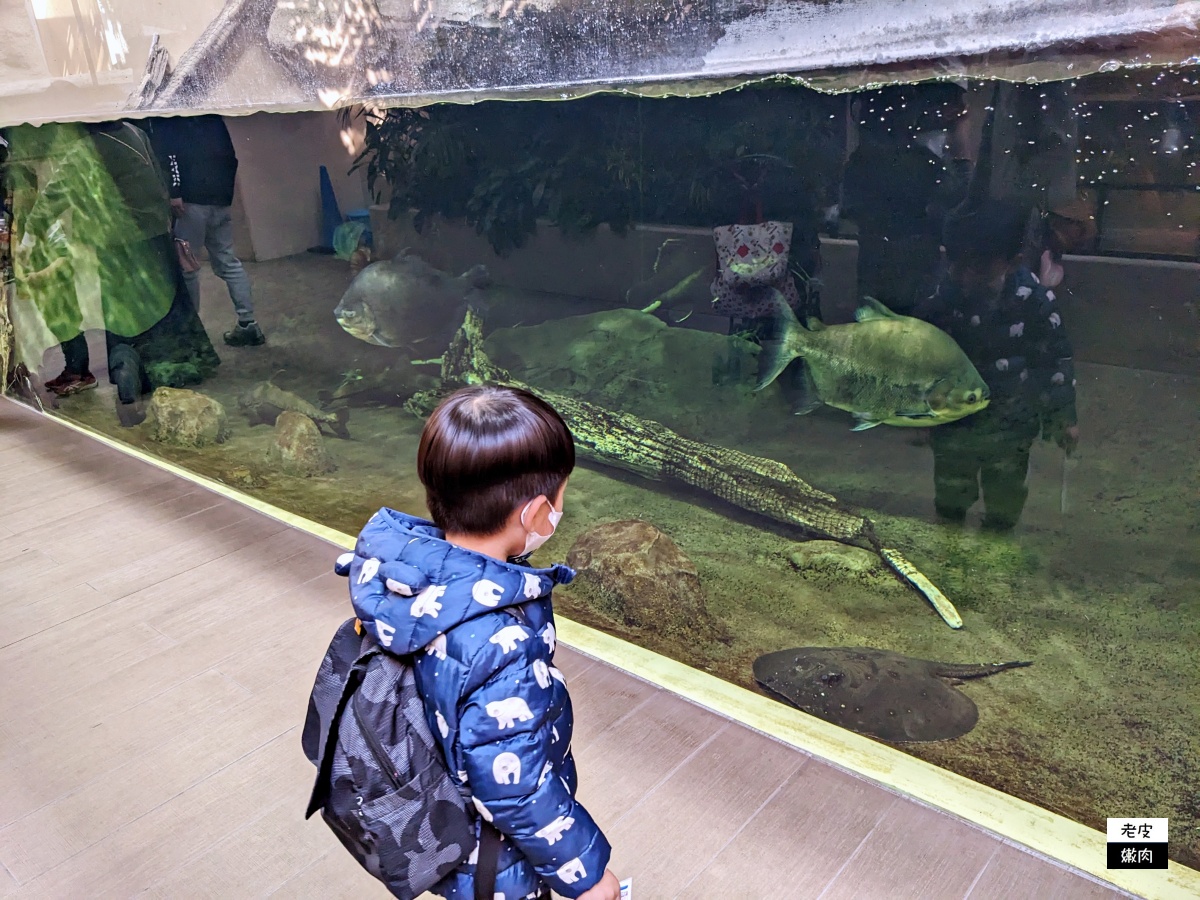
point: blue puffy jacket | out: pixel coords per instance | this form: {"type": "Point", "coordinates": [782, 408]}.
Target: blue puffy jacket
{"type": "Point", "coordinates": [494, 700]}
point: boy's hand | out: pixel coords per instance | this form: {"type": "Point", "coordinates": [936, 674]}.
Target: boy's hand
{"type": "Point", "coordinates": [607, 888]}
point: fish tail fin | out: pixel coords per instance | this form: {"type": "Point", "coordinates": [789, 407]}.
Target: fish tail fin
{"type": "Point", "coordinates": [340, 418]}
{"type": "Point", "coordinates": [773, 359]}
{"type": "Point", "coordinates": [775, 355]}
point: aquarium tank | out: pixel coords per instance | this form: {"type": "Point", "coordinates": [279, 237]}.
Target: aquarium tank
{"type": "Point", "coordinates": [881, 361]}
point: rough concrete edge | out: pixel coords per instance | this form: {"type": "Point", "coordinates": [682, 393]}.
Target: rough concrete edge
{"type": "Point", "coordinates": [1016, 821]}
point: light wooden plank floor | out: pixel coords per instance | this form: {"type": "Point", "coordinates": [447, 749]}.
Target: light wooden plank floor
{"type": "Point", "coordinates": [157, 644]}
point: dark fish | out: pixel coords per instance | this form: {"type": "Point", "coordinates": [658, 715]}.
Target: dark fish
{"type": "Point", "coordinates": [876, 692]}
{"type": "Point", "coordinates": [389, 387]}
{"type": "Point", "coordinates": [405, 302]}
{"type": "Point", "coordinates": [264, 402]}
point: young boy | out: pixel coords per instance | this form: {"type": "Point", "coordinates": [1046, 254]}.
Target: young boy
{"type": "Point", "coordinates": [1010, 328]}
{"type": "Point", "coordinates": [494, 462]}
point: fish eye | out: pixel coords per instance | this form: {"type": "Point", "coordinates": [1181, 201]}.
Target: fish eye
{"type": "Point", "coordinates": [971, 397]}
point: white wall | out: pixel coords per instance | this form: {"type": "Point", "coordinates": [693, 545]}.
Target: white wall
{"type": "Point", "coordinates": [279, 160]}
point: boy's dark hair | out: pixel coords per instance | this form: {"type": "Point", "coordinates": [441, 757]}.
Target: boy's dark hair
{"type": "Point", "coordinates": [993, 230]}
{"type": "Point", "coordinates": [485, 451]}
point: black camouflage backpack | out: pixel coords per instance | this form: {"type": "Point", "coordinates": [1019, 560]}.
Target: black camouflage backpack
{"type": "Point", "coordinates": [382, 785]}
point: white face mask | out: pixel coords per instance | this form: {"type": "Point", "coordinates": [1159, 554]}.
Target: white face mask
{"type": "Point", "coordinates": [535, 540]}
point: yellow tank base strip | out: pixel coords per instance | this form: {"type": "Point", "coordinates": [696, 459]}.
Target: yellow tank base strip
{"type": "Point", "coordinates": [913, 576]}
{"type": "Point", "coordinates": [1045, 833]}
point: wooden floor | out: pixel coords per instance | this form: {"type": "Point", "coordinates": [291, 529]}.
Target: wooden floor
{"type": "Point", "coordinates": [157, 645]}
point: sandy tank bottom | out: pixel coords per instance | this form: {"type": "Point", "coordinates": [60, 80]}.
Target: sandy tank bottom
{"type": "Point", "coordinates": [1103, 600]}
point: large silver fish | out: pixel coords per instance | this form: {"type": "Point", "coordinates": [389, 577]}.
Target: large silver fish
{"type": "Point", "coordinates": [405, 303]}
{"type": "Point", "coordinates": [885, 368]}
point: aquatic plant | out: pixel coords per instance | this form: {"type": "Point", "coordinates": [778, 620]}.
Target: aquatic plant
{"type": "Point", "coordinates": [759, 152]}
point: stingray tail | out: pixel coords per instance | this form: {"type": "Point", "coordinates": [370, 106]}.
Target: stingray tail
{"type": "Point", "coordinates": [966, 672]}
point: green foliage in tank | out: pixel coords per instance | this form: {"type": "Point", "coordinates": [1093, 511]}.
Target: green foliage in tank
{"type": "Point", "coordinates": [746, 155]}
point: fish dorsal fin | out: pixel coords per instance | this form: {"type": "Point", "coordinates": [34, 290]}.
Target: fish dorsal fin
{"type": "Point", "coordinates": [873, 309]}
{"type": "Point", "coordinates": [812, 323]}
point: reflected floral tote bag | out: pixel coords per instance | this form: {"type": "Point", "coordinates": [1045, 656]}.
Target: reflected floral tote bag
{"type": "Point", "coordinates": [751, 259]}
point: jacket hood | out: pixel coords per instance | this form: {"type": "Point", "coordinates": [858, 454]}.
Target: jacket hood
{"type": "Point", "coordinates": [409, 584]}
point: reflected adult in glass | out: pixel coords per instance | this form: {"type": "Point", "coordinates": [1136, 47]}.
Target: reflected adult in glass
{"type": "Point", "coordinates": [200, 163]}
{"type": "Point", "coordinates": [898, 185]}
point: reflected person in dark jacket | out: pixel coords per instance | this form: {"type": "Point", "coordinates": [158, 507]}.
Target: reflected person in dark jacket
{"type": "Point", "coordinates": [1010, 328]}
{"type": "Point", "coordinates": [898, 185]}
{"type": "Point", "coordinates": [198, 158]}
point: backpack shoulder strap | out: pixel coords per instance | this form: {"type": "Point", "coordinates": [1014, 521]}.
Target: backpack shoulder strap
{"type": "Point", "coordinates": [489, 856]}
{"type": "Point", "coordinates": [354, 680]}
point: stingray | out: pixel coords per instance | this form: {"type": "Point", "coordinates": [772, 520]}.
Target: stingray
{"type": "Point", "coordinates": [876, 692]}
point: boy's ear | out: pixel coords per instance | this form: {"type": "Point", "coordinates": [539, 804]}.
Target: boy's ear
{"type": "Point", "coordinates": [539, 513]}
{"type": "Point", "coordinates": [527, 512]}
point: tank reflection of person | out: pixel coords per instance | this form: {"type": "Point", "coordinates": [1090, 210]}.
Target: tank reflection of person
{"type": "Point", "coordinates": [1068, 227]}
{"type": "Point", "coordinates": [97, 253]}
{"type": "Point", "coordinates": [762, 190]}
{"type": "Point", "coordinates": [1012, 331]}
{"type": "Point", "coordinates": [175, 351]}
{"type": "Point", "coordinates": [198, 158]}
{"type": "Point", "coordinates": [907, 172]}
{"type": "Point", "coordinates": [1033, 162]}
{"type": "Point", "coordinates": [42, 256]}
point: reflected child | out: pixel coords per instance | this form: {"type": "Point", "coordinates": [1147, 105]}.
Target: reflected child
{"type": "Point", "coordinates": [1011, 329]}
